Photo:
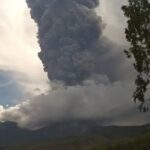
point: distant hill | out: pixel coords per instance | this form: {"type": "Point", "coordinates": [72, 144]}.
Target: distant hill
{"type": "Point", "coordinates": [11, 134]}
{"type": "Point", "coordinates": [88, 142]}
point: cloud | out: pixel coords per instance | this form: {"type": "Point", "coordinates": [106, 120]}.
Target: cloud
{"type": "Point", "coordinates": [114, 19]}
{"type": "Point", "coordinates": [106, 95]}
{"type": "Point", "coordinates": [71, 38]}
{"type": "Point", "coordinates": [18, 44]}
{"type": "Point", "coordinates": [109, 102]}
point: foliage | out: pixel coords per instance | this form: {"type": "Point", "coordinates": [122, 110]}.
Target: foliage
{"type": "Point", "coordinates": [138, 35]}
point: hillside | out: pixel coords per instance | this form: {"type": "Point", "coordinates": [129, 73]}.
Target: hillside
{"type": "Point", "coordinates": [69, 135]}
{"type": "Point", "coordinates": [91, 142]}
{"type": "Point", "coordinates": [11, 134]}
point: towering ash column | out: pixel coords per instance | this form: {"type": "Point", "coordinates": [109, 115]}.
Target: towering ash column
{"type": "Point", "coordinates": [69, 34]}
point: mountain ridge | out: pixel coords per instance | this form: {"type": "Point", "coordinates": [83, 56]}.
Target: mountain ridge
{"type": "Point", "coordinates": [10, 133]}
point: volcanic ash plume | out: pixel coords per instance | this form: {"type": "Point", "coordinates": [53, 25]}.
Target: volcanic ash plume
{"type": "Point", "coordinates": [70, 39]}
{"type": "Point", "coordinates": [73, 51]}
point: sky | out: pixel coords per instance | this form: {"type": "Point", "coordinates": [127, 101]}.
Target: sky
{"type": "Point", "coordinates": [21, 72]}
{"type": "Point", "coordinates": [25, 91]}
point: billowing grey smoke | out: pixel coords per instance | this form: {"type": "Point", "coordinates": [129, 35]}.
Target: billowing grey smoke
{"type": "Point", "coordinates": [72, 50]}
{"type": "Point", "coordinates": [70, 37]}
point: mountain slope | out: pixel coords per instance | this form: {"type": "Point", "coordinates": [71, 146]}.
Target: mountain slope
{"type": "Point", "coordinates": [89, 142]}
{"type": "Point", "coordinates": [11, 134]}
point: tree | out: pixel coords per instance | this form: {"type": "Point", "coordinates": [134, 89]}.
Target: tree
{"type": "Point", "coordinates": [138, 35]}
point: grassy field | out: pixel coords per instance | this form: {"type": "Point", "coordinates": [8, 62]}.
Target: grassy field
{"type": "Point", "coordinates": [89, 142]}
{"type": "Point", "coordinates": [67, 136]}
